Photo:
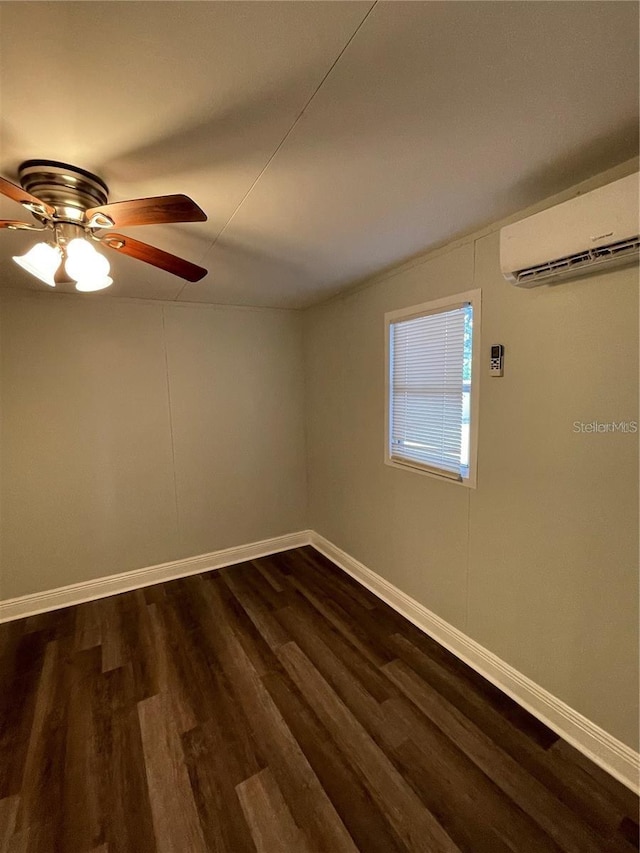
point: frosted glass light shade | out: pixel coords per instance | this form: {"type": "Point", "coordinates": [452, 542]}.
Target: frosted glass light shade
{"type": "Point", "coordinates": [85, 265]}
{"type": "Point", "coordinates": [86, 285]}
{"type": "Point", "coordinates": [42, 260]}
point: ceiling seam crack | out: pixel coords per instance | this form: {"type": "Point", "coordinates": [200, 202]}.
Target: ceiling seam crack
{"type": "Point", "coordinates": [295, 122]}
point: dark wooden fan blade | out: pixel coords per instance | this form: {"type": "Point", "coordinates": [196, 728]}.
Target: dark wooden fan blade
{"type": "Point", "coordinates": [19, 226]}
{"type": "Point", "coordinates": [16, 193]}
{"type": "Point", "coordinates": [155, 257]}
{"type": "Point", "coordinates": [151, 211]}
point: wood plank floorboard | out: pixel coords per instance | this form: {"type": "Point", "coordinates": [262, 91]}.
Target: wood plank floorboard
{"type": "Point", "coordinates": [276, 707]}
{"type": "Point", "coordinates": [270, 821]}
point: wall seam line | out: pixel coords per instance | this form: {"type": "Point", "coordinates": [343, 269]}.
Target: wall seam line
{"type": "Point", "coordinates": [170, 406]}
{"type": "Point", "coordinates": [305, 420]}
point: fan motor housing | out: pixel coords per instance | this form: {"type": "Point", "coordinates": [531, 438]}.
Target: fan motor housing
{"type": "Point", "coordinates": [69, 189]}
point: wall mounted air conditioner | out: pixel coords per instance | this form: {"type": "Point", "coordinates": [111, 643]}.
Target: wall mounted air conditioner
{"type": "Point", "coordinates": [589, 233]}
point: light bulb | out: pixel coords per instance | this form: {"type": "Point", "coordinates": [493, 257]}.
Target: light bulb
{"type": "Point", "coordinates": [85, 265]}
{"type": "Point", "coordinates": [88, 284]}
{"type": "Point", "coordinates": [42, 260]}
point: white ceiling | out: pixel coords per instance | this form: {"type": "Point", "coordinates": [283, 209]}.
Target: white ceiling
{"type": "Point", "coordinates": [325, 141]}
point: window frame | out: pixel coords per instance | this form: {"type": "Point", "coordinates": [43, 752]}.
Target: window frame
{"type": "Point", "coordinates": [437, 306]}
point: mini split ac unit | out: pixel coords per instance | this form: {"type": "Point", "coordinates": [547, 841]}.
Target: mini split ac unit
{"type": "Point", "coordinates": [589, 233]}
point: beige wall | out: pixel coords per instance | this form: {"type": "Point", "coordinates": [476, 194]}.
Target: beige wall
{"type": "Point", "coordinates": [539, 563]}
{"type": "Point", "coordinates": [137, 433]}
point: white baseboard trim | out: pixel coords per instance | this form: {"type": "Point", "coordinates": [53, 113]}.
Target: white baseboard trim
{"type": "Point", "coordinates": [76, 593]}
{"type": "Point", "coordinates": [612, 755]}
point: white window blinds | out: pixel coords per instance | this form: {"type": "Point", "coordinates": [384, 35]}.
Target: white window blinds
{"type": "Point", "coordinates": [429, 357]}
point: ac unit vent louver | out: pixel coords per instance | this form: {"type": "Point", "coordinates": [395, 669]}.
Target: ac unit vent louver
{"type": "Point", "coordinates": [594, 259]}
{"type": "Point", "coordinates": [589, 233]}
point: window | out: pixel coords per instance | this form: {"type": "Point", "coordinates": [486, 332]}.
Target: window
{"type": "Point", "coordinates": [432, 387]}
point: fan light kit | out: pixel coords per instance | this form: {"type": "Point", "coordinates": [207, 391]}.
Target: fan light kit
{"type": "Point", "coordinates": [70, 205]}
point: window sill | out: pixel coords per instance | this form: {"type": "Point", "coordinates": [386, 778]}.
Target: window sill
{"type": "Point", "coordinates": [467, 482]}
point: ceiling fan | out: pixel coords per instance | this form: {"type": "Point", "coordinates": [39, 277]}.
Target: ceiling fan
{"type": "Point", "coordinates": [71, 206]}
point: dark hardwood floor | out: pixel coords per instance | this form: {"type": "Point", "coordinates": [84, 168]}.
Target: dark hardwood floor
{"type": "Point", "coordinates": [278, 707]}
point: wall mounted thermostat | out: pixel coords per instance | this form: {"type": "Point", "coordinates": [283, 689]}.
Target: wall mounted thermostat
{"type": "Point", "coordinates": [497, 360]}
